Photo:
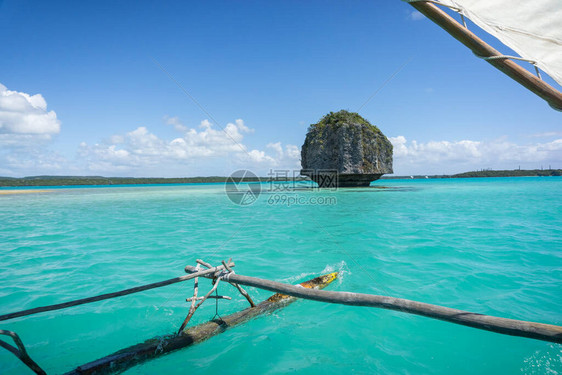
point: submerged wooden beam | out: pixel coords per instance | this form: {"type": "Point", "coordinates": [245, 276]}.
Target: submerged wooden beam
{"type": "Point", "coordinates": [484, 50]}
{"type": "Point", "coordinates": [512, 327]}
{"type": "Point", "coordinates": [126, 358]}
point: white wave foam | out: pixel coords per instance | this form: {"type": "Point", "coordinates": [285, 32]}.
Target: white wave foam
{"type": "Point", "coordinates": [340, 267]}
{"type": "Point", "coordinates": [543, 361]}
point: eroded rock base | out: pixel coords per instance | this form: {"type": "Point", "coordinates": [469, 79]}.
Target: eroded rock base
{"type": "Point", "coordinates": [342, 180]}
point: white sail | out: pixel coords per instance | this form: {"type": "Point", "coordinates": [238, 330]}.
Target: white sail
{"type": "Point", "coordinates": [532, 28]}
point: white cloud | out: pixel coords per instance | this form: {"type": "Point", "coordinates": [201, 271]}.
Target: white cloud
{"type": "Point", "coordinates": [257, 156]}
{"type": "Point", "coordinates": [276, 147]}
{"type": "Point", "coordinates": [289, 157]}
{"type": "Point", "coordinates": [243, 128]}
{"type": "Point", "coordinates": [293, 153]}
{"type": "Point", "coordinates": [116, 139]}
{"type": "Point", "coordinates": [9, 142]}
{"type": "Point", "coordinates": [26, 129]}
{"type": "Point", "coordinates": [175, 122]}
{"type": "Point", "coordinates": [546, 135]}
{"type": "Point", "coordinates": [416, 16]}
{"type": "Point", "coordinates": [31, 161]}
{"type": "Point", "coordinates": [21, 113]}
{"type": "Point", "coordinates": [202, 151]}
{"type": "Point", "coordinates": [443, 157]}
{"type": "Point", "coordinates": [208, 150]}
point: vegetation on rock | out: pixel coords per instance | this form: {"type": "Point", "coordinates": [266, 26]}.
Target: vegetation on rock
{"type": "Point", "coordinates": [348, 144]}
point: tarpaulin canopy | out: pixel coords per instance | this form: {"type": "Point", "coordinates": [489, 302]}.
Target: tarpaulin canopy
{"type": "Point", "coordinates": [533, 29]}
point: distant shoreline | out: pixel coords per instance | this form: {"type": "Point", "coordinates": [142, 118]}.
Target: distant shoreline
{"type": "Point", "coordinates": [489, 173]}
{"type": "Point", "coordinates": [99, 180]}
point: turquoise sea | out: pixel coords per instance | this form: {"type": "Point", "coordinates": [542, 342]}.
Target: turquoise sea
{"type": "Point", "coordinates": [492, 246]}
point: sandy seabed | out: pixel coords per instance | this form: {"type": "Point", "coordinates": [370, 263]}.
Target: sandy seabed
{"type": "Point", "coordinates": [10, 192]}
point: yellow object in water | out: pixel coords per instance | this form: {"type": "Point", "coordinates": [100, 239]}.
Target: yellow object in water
{"type": "Point", "coordinates": [319, 282]}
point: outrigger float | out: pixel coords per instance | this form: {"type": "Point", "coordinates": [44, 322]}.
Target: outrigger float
{"type": "Point", "coordinates": [285, 294]}
{"type": "Point", "coordinates": [158, 346]}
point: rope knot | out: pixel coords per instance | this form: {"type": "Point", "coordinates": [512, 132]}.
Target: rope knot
{"type": "Point", "coordinates": [225, 274]}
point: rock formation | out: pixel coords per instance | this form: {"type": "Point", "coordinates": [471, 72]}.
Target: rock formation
{"type": "Point", "coordinates": [345, 150]}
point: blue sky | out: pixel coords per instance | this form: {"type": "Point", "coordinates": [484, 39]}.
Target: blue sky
{"type": "Point", "coordinates": [263, 71]}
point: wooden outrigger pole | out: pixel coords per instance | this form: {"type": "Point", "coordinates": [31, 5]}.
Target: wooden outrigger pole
{"type": "Point", "coordinates": [101, 297]}
{"type": "Point", "coordinates": [488, 53]}
{"type": "Point", "coordinates": [286, 294]}
{"type": "Point", "coordinates": [512, 327]}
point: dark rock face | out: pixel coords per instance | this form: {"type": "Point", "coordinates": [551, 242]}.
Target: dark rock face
{"type": "Point", "coordinates": [345, 145]}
